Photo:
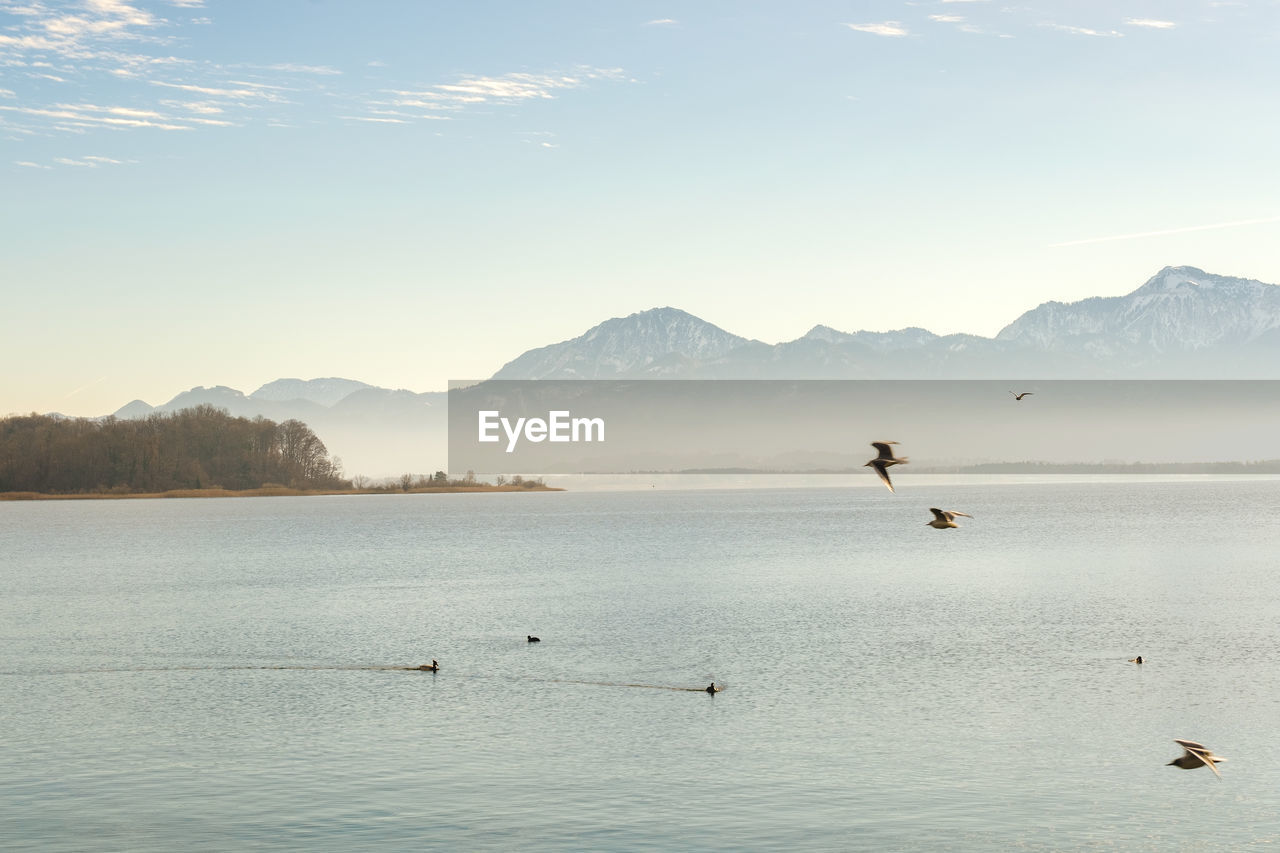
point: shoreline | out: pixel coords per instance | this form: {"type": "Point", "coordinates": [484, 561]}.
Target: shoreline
{"type": "Point", "coordinates": [266, 493]}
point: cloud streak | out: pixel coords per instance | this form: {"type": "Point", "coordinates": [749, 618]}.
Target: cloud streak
{"type": "Point", "coordinates": [474, 91]}
{"type": "Point", "coordinates": [1085, 31]}
{"type": "Point", "coordinates": [892, 29]}
{"type": "Point", "coordinates": [1217, 225]}
{"type": "Point", "coordinates": [55, 51]}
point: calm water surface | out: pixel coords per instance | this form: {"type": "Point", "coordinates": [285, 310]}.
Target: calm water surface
{"type": "Point", "coordinates": [218, 674]}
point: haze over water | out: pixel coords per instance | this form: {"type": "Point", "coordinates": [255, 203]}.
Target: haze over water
{"type": "Point", "coordinates": [221, 674]}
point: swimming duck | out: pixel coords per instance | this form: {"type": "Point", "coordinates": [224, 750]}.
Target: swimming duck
{"type": "Point", "coordinates": [532, 639]}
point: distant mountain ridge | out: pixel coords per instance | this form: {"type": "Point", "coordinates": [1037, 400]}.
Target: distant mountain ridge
{"type": "Point", "coordinates": [325, 392]}
{"type": "Point", "coordinates": [1182, 323]}
{"type": "Point", "coordinates": [1180, 309]}
{"type": "Point", "coordinates": [624, 345]}
{"type": "Point", "coordinates": [376, 431]}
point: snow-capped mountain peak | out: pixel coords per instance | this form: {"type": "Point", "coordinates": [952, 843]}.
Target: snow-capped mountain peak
{"type": "Point", "coordinates": [624, 346]}
{"type": "Point", "coordinates": [1177, 310]}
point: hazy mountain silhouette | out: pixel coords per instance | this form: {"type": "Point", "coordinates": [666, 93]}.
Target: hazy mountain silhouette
{"type": "Point", "coordinates": [1183, 323]}
{"type": "Point", "coordinates": [326, 392]}
{"type": "Point", "coordinates": [378, 432]}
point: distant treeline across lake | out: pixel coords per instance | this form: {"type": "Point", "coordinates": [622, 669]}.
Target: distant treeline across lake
{"type": "Point", "coordinates": [197, 452]}
{"type": "Point", "coordinates": [199, 448]}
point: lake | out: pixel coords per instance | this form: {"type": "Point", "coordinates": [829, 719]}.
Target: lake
{"type": "Point", "coordinates": [228, 674]}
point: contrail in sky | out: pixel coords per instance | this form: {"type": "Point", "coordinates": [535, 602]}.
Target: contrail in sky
{"type": "Point", "coordinates": [1170, 231]}
{"type": "Point", "coordinates": [83, 387]}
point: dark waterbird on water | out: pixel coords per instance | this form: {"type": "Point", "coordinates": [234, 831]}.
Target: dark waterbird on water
{"type": "Point", "coordinates": [712, 689]}
{"type": "Point", "coordinates": [1138, 659]}
{"type": "Point", "coordinates": [435, 667]}
{"type": "Point", "coordinates": [885, 459]}
{"type": "Point", "coordinates": [532, 639]}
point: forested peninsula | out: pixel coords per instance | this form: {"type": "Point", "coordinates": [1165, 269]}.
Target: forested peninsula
{"type": "Point", "coordinates": [197, 452]}
{"type": "Point", "coordinates": [198, 448]}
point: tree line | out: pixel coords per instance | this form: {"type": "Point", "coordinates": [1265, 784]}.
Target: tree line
{"type": "Point", "coordinates": [198, 448]}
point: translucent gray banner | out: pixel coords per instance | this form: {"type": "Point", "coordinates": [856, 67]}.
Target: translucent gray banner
{"type": "Point", "coordinates": [826, 426]}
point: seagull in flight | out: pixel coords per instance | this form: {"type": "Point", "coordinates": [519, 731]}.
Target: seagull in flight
{"type": "Point", "coordinates": [942, 518]}
{"type": "Point", "coordinates": [886, 458]}
{"type": "Point", "coordinates": [1196, 755]}
{"type": "Point", "coordinates": [1018, 396]}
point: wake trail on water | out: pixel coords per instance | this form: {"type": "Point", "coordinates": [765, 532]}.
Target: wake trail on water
{"type": "Point", "coordinates": [364, 668]}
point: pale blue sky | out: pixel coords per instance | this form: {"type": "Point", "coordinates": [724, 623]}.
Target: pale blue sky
{"type": "Point", "coordinates": [200, 193]}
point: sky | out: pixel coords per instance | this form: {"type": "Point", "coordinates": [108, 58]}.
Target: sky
{"type": "Point", "coordinates": [195, 192]}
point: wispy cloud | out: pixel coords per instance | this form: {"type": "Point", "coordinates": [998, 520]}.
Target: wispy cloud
{"type": "Point", "coordinates": [1186, 230]}
{"type": "Point", "coordinates": [518, 86]}
{"type": "Point", "coordinates": [294, 68]}
{"type": "Point", "coordinates": [540, 138]}
{"type": "Point", "coordinates": [474, 91]}
{"type": "Point", "coordinates": [887, 28]}
{"type": "Point", "coordinates": [245, 91]}
{"type": "Point", "coordinates": [661, 22]}
{"type": "Point", "coordinates": [54, 51]}
{"type": "Point", "coordinates": [947, 19]}
{"type": "Point", "coordinates": [198, 107]}
{"type": "Point", "coordinates": [1085, 31]}
{"type": "Point", "coordinates": [66, 116]}
{"type": "Point", "coordinates": [384, 120]}
{"type": "Point", "coordinates": [1151, 23]}
{"type": "Point", "coordinates": [83, 44]}
{"type": "Point", "coordinates": [90, 161]}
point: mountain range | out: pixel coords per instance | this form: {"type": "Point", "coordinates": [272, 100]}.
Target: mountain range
{"type": "Point", "coordinates": [1183, 323]}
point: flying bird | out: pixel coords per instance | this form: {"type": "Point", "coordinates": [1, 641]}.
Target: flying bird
{"type": "Point", "coordinates": [886, 458]}
{"type": "Point", "coordinates": [1196, 755]}
{"type": "Point", "coordinates": [1018, 396]}
{"type": "Point", "coordinates": [942, 518]}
